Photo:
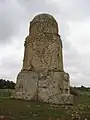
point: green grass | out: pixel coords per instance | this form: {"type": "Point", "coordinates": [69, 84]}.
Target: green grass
{"type": "Point", "coordinates": [27, 110]}
{"type": "Point", "coordinates": [34, 110]}
{"type": "Point", "coordinates": [5, 92]}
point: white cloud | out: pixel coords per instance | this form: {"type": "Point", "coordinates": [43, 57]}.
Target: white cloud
{"type": "Point", "coordinates": [11, 16]}
{"type": "Point", "coordinates": [77, 56]}
{"type": "Point", "coordinates": [79, 35]}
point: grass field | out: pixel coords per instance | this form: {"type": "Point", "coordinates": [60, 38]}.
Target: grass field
{"type": "Point", "coordinates": [34, 110]}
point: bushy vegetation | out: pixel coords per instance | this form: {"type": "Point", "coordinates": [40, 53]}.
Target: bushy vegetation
{"type": "Point", "coordinates": [77, 91]}
{"type": "Point", "coordinates": [82, 88]}
{"type": "Point", "coordinates": [6, 84]}
{"type": "Point", "coordinates": [74, 91]}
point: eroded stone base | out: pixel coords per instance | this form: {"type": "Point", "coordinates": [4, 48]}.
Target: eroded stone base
{"type": "Point", "coordinates": [62, 99]}
{"type": "Point", "coordinates": [43, 86]}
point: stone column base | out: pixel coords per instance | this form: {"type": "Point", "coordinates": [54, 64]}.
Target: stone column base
{"type": "Point", "coordinates": [46, 87]}
{"type": "Point", "coordinates": [61, 99]}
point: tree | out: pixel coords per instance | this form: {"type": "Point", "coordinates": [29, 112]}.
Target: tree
{"type": "Point", "coordinates": [6, 84]}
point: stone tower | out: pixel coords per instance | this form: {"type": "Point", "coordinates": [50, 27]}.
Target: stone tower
{"type": "Point", "coordinates": [42, 76]}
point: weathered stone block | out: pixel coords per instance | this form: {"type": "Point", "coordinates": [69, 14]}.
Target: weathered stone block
{"type": "Point", "coordinates": [29, 87]}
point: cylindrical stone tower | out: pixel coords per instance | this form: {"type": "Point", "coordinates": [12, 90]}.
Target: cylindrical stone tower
{"type": "Point", "coordinates": [42, 76]}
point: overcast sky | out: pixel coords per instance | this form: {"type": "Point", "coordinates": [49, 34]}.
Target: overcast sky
{"type": "Point", "coordinates": [73, 17]}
